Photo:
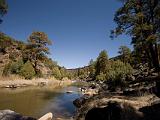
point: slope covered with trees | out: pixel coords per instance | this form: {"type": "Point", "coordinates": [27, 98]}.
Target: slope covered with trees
{"type": "Point", "coordinates": [28, 59]}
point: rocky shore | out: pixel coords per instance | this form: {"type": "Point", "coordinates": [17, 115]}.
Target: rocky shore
{"type": "Point", "coordinates": [117, 107]}
{"type": "Point", "coordinates": [138, 100]}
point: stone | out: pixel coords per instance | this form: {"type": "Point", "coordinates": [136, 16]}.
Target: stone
{"type": "Point", "coordinates": [47, 116]}
{"type": "Point", "coordinates": [117, 107]}
{"type": "Point", "coordinates": [11, 115]}
{"type": "Point", "coordinates": [80, 101]}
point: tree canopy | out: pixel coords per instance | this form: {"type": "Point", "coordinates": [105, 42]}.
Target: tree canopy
{"type": "Point", "coordinates": [125, 54]}
{"type": "Point", "coordinates": [140, 19]}
{"type": "Point", "coordinates": [37, 48]}
{"type": "Point", "coordinates": [3, 9]}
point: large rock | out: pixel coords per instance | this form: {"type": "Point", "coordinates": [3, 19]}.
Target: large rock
{"type": "Point", "coordinates": [115, 107]}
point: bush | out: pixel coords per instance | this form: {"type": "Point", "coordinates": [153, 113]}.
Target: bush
{"type": "Point", "coordinates": [16, 67]}
{"type": "Point", "coordinates": [100, 77]}
{"type": "Point", "coordinates": [13, 68]}
{"type": "Point", "coordinates": [27, 71]}
{"type": "Point", "coordinates": [119, 69]}
{"type": "Point", "coordinates": [118, 72]}
{"type": "Point", "coordinates": [7, 70]}
{"type": "Point", "coordinates": [56, 73]}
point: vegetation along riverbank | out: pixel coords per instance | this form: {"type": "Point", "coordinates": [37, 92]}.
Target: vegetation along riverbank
{"type": "Point", "coordinates": [121, 86]}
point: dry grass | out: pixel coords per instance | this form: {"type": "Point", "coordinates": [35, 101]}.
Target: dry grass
{"type": "Point", "coordinates": [17, 80]}
{"type": "Point", "coordinates": [11, 77]}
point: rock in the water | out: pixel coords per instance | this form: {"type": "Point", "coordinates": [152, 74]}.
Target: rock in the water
{"type": "Point", "coordinates": [47, 116]}
{"type": "Point", "coordinates": [80, 101]}
{"type": "Point", "coordinates": [11, 115]}
{"type": "Point", "coordinates": [70, 92]}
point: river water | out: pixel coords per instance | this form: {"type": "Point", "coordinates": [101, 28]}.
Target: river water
{"type": "Point", "coordinates": [36, 102]}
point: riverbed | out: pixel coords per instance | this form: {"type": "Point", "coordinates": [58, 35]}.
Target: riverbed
{"type": "Point", "coordinates": [37, 101]}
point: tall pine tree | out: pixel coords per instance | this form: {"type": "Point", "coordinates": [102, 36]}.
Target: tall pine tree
{"type": "Point", "coordinates": [141, 20]}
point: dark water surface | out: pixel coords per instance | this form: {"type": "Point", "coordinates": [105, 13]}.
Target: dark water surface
{"type": "Point", "coordinates": [36, 102]}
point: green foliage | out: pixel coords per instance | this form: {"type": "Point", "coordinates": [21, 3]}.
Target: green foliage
{"type": "Point", "coordinates": [70, 75]}
{"type": "Point", "coordinates": [50, 63]}
{"type": "Point", "coordinates": [125, 54]}
{"type": "Point", "coordinates": [101, 63]}
{"type": "Point", "coordinates": [37, 48]}
{"type": "Point", "coordinates": [38, 42]}
{"type": "Point", "coordinates": [56, 73]}
{"type": "Point", "coordinates": [118, 73]}
{"type": "Point", "coordinates": [5, 42]}
{"type": "Point", "coordinates": [13, 68]}
{"type": "Point", "coordinates": [3, 8]}
{"type": "Point", "coordinates": [119, 70]}
{"type": "Point", "coordinates": [101, 76]}
{"type": "Point", "coordinates": [82, 73]}
{"type": "Point", "coordinates": [140, 20]}
{"type": "Point", "coordinates": [63, 72]}
{"type": "Point", "coordinates": [27, 71]}
{"type": "Point", "coordinates": [16, 67]}
{"type": "Point", "coordinates": [7, 70]}
{"type": "Point", "coordinates": [92, 69]}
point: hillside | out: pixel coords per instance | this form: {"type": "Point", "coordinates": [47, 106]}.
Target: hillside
{"type": "Point", "coordinates": [15, 54]}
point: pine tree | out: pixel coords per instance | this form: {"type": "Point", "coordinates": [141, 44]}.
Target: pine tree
{"type": "Point", "coordinates": [101, 63]}
{"type": "Point", "coordinates": [37, 48]}
{"type": "Point", "coordinates": [3, 8]}
{"type": "Point", "coordinates": [140, 19]}
{"type": "Point", "coordinates": [91, 68]}
{"type": "Point", "coordinates": [125, 54]}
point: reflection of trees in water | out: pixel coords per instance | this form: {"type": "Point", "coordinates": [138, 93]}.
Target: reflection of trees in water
{"type": "Point", "coordinates": [63, 105]}
{"type": "Point", "coordinates": [47, 95]}
{"type": "Point", "coordinates": [38, 101]}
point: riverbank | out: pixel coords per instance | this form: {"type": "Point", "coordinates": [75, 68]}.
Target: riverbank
{"type": "Point", "coordinates": [35, 82]}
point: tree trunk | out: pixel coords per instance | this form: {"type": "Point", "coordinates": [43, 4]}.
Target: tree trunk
{"type": "Point", "coordinates": [154, 54]}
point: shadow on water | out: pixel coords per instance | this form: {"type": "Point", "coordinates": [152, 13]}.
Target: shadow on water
{"type": "Point", "coordinates": [38, 101]}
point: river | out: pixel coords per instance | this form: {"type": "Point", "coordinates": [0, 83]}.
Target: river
{"type": "Point", "coordinates": [36, 102]}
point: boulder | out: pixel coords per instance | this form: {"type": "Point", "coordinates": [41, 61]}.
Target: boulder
{"type": "Point", "coordinates": [115, 107]}
{"type": "Point", "coordinates": [11, 115]}
{"type": "Point", "coordinates": [80, 101]}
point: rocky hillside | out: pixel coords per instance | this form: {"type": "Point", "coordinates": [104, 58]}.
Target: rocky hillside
{"type": "Point", "coordinates": [13, 58]}
{"type": "Point", "coordinates": [10, 50]}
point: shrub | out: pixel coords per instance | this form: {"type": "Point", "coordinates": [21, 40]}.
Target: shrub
{"type": "Point", "coordinates": [7, 70]}
{"type": "Point", "coordinates": [16, 66]}
{"type": "Point", "coordinates": [27, 71]}
{"type": "Point", "coordinates": [119, 68]}
{"type": "Point", "coordinates": [56, 73]}
{"type": "Point", "coordinates": [118, 72]}
{"type": "Point", "coordinates": [102, 76]}
{"type": "Point", "coordinates": [13, 68]}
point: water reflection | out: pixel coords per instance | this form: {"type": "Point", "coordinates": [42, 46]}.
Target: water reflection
{"type": "Point", "coordinates": [38, 101]}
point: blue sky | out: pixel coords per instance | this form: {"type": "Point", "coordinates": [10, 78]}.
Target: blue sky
{"type": "Point", "coordinates": [79, 29]}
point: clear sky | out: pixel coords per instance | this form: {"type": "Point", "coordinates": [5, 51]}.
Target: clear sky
{"type": "Point", "coordinates": [79, 29]}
